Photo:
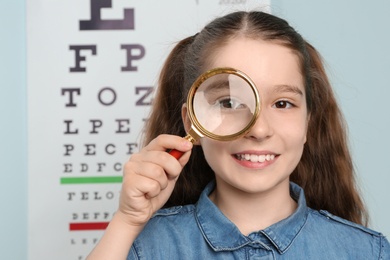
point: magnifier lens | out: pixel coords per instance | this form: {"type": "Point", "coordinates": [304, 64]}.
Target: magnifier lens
{"type": "Point", "coordinates": [224, 104]}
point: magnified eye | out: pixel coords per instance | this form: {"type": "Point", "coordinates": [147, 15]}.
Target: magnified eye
{"type": "Point", "coordinates": [230, 103]}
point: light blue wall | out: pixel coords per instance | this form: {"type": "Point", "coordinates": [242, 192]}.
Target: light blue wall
{"type": "Point", "coordinates": [13, 131]}
{"type": "Point", "coordinates": [352, 36]}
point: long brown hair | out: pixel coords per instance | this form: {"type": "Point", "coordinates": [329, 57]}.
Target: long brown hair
{"type": "Point", "coordinates": [325, 171]}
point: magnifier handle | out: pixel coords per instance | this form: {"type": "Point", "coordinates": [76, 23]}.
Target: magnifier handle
{"type": "Point", "coordinates": [175, 153]}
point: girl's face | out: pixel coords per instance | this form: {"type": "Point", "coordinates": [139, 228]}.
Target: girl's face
{"type": "Point", "coordinates": [264, 158]}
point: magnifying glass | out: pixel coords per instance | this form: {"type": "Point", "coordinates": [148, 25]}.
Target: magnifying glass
{"type": "Point", "coordinates": [223, 104]}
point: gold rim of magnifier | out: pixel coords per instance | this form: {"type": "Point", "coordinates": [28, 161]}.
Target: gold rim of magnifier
{"type": "Point", "coordinates": [195, 86]}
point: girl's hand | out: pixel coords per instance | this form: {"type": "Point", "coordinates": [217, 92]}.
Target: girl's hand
{"type": "Point", "coordinates": [149, 178]}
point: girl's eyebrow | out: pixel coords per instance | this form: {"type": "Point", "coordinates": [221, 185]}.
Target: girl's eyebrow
{"type": "Point", "coordinates": [287, 88]}
{"type": "Point", "coordinates": [217, 86]}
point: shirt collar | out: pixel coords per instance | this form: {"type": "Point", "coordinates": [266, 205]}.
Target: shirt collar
{"type": "Point", "coordinates": [222, 234]}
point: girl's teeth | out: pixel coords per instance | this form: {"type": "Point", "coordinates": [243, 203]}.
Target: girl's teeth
{"type": "Point", "coordinates": [256, 158]}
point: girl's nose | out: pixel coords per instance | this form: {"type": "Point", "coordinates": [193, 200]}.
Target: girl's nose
{"type": "Point", "coordinates": [262, 129]}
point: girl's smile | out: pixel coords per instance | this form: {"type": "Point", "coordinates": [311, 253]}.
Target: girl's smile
{"type": "Point", "coordinates": [256, 159]}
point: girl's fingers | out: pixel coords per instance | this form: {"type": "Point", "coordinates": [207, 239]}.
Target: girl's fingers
{"type": "Point", "coordinates": [164, 160]}
{"type": "Point", "coordinates": [165, 142]}
{"type": "Point", "coordinates": [150, 176]}
{"type": "Point", "coordinates": [156, 153]}
{"type": "Point", "coordinates": [148, 170]}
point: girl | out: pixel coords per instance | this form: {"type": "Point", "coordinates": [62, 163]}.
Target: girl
{"type": "Point", "coordinates": [284, 190]}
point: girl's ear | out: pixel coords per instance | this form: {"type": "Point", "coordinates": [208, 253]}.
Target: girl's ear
{"type": "Point", "coordinates": [186, 120]}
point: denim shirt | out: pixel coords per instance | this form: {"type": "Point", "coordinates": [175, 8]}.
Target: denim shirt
{"type": "Point", "coordinates": [201, 231]}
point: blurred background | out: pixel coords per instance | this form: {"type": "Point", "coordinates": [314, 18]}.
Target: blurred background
{"type": "Point", "coordinates": [352, 36]}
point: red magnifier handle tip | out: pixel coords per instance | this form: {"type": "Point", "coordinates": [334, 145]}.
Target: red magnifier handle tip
{"type": "Point", "coordinates": [175, 153]}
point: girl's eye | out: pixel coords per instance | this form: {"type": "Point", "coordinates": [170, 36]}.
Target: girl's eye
{"type": "Point", "coordinates": [283, 104]}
